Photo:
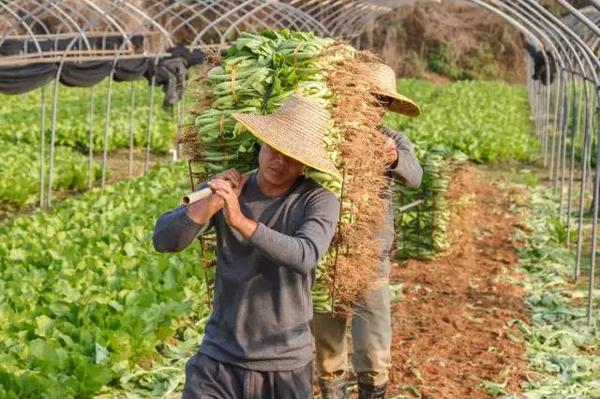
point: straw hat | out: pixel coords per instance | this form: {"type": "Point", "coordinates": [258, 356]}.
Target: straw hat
{"type": "Point", "coordinates": [297, 130]}
{"type": "Point", "coordinates": [383, 79]}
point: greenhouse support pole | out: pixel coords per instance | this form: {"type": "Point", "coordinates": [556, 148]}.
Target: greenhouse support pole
{"type": "Point", "coordinates": [567, 111]}
{"type": "Point", "coordinates": [586, 149]}
{"type": "Point", "coordinates": [53, 138]}
{"type": "Point", "coordinates": [574, 137]}
{"type": "Point", "coordinates": [91, 140]}
{"type": "Point", "coordinates": [546, 122]}
{"type": "Point", "coordinates": [553, 131]}
{"type": "Point", "coordinates": [150, 121]}
{"type": "Point", "coordinates": [541, 100]}
{"type": "Point", "coordinates": [559, 111]}
{"type": "Point", "coordinates": [180, 119]}
{"type": "Point", "coordinates": [107, 124]}
{"type": "Point", "coordinates": [42, 142]}
{"type": "Point", "coordinates": [131, 113]}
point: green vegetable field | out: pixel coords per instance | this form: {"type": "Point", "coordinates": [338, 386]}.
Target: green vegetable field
{"type": "Point", "coordinates": [20, 137]}
{"type": "Point", "coordinates": [21, 115]}
{"type": "Point", "coordinates": [89, 309]}
{"type": "Point", "coordinates": [88, 303]}
{"type": "Point", "coordinates": [19, 173]}
{"type": "Point", "coordinates": [456, 121]}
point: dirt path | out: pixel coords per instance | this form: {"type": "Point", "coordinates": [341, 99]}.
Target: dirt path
{"type": "Point", "coordinates": [450, 328]}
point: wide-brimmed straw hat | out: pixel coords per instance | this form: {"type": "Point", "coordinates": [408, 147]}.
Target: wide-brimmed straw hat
{"type": "Point", "coordinates": [297, 129]}
{"type": "Point", "coordinates": [383, 79]}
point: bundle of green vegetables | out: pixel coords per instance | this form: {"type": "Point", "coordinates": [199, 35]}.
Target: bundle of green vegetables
{"type": "Point", "coordinates": [256, 75]}
{"type": "Point", "coordinates": [424, 229]}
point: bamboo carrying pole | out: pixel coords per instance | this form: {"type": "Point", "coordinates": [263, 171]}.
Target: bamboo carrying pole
{"type": "Point", "coordinates": [197, 196]}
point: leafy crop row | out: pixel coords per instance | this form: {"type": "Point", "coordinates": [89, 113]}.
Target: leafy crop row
{"type": "Point", "coordinates": [19, 173]}
{"type": "Point", "coordinates": [86, 302]}
{"type": "Point", "coordinates": [486, 121]}
{"type": "Point", "coordinates": [562, 349]}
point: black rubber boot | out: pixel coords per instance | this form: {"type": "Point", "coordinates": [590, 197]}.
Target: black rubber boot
{"type": "Point", "coordinates": [369, 391]}
{"type": "Point", "coordinates": [333, 389]}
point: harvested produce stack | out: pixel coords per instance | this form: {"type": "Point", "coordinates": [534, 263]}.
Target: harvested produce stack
{"type": "Point", "coordinates": [424, 230]}
{"type": "Point", "coordinates": [356, 114]}
{"type": "Point", "coordinates": [257, 74]}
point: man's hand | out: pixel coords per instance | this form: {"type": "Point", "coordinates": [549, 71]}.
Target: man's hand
{"type": "Point", "coordinates": [229, 192]}
{"type": "Point", "coordinates": [231, 175]}
{"type": "Point", "coordinates": [203, 210]}
{"type": "Point", "coordinates": [232, 212]}
{"type": "Point", "coordinates": [233, 179]}
{"type": "Point", "coordinates": [390, 151]}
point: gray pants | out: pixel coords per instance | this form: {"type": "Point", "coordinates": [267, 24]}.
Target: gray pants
{"type": "Point", "coordinates": [371, 337]}
{"type": "Point", "coordinates": [206, 378]}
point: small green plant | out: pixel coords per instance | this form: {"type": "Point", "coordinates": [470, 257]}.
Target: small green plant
{"type": "Point", "coordinates": [558, 229]}
{"type": "Point", "coordinates": [528, 178]}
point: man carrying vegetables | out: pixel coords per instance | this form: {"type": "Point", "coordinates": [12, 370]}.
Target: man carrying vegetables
{"type": "Point", "coordinates": [371, 321]}
{"type": "Point", "coordinates": [272, 227]}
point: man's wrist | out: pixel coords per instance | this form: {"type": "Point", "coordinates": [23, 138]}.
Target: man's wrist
{"type": "Point", "coordinates": [201, 211]}
{"type": "Point", "coordinates": [215, 204]}
{"type": "Point", "coordinates": [246, 227]}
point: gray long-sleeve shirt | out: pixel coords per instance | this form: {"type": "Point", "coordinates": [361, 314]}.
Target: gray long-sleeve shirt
{"type": "Point", "coordinates": [262, 303]}
{"type": "Point", "coordinates": [408, 172]}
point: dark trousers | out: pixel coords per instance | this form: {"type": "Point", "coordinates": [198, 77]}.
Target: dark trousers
{"type": "Point", "coordinates": [206, 378]}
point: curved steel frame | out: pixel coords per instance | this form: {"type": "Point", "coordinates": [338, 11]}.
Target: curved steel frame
{"type": "Point", "coordinates": [577, 69]}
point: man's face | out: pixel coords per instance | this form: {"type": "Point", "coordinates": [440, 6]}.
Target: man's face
{"type": "Point", "coordinates": [277, 168]}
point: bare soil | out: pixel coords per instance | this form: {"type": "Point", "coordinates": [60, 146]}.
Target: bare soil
{"type": "Point", "coordinates": [451, 331]}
